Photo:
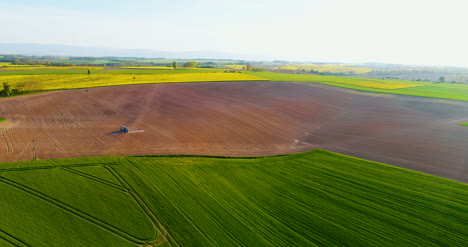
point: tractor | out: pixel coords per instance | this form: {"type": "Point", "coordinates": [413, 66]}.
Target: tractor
{"type": "Point", "coordinates": [124, 129]}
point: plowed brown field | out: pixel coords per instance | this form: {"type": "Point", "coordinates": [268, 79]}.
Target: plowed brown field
{"type": "Point", "coordinates": [238, 119]}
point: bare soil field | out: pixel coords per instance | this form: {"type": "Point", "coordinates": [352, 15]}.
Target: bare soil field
{"type": "Point", "coordinates": [238, 119]}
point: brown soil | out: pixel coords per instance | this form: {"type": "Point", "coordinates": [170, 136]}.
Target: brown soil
{"type": "Point", "coordinates": [238, 119]}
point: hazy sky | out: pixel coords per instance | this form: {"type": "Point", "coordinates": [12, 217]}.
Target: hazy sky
{"type": "Point", "coordinates": [429, 32]}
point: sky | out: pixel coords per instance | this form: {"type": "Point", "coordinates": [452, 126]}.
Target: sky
{"type": "Point", "coordinates": [430, 32]}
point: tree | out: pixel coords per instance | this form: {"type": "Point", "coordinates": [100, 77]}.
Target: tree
{"type": "Point", "coordinates": [174, 65]}
{"type": "Point", "coordinates": [248, 67]}
{"type": "Point", "coordinates": [190, 64]}
{"type": "Point", "coordinates": [442, 79]}
{"type": "Point", "coordinates": [6, 89]}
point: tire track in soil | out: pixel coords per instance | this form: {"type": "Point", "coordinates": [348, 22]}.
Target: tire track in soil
{"type": "Point", "coordinates": [7, 142]}
{"type": "Point", "coordinates": [56, 144]}
{"type": "Point", "coordinates": [11, 239]}
{"type": "Point", "coordinates": [96, 179]}
{"type": "Point", "coordinates": [29, 145]}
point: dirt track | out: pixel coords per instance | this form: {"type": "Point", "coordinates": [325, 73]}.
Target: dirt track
{"type": "Point", "coordinates": [238, 119]}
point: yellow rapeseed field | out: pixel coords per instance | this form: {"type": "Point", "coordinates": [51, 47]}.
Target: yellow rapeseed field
{"type": "Point", "coordinates": [54, 82]}
{"type": "Point", "coordinates": [168, 68]}
{"type": "Point", "coordinates": [42, 67]}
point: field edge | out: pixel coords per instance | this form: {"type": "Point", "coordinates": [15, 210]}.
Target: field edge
{"type": "Point", "coordinates": [115, 159]}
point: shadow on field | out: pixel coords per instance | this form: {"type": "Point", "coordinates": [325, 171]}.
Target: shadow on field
{"type": "Point", "coordinates": [115, 133]}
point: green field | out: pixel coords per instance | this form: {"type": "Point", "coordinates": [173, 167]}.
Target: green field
{"type": "Point", "coordinates": [316, 198]}
{"type": "Point", "coordinates": [425, 89]}
{"type": "Point", "coordinates": [2, 119]}
{"type": "Point", "coordinates": [463, 124]}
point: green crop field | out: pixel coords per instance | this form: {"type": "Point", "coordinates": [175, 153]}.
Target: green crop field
{"type": "Point", "coordinates": [316, 198]}
{"type": "Point", "coordinates": [462, 124]}
{"type": "Point", "coordinates": [424, 89]}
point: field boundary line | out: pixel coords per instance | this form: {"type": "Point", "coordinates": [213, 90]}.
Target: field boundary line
{"type": "Point", "coordinates": [96, 179]}
{"type": "Point", "coordinates": [149, 213]}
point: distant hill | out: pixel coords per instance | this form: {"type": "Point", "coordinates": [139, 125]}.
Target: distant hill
{"type": "Point", "coordinates": [68, 50]}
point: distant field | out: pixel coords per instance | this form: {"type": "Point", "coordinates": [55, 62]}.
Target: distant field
{"type": "Point", "coordinates": [182, 61]}
{"type": "Point", "coordinates": [32, 75]}
{"type": "Point", "coordinates": [105, 71]}
{"type": "Point", "coordinates": [103, 61]}
{"type": "Point", "coordinates": [425, 89]}
{"type": "Point", "coordinates": [316, 198]}
{"type": "Point", "coordinates": [72, 61]}
{"type": "Point", "coordinates": [40, 67]}
{"type": "Point", "coordinates": [18, 66]}
{"type": "Point", "coordinates": [235, 66]}
{"type": "Point", "coordinates": [373, 84]}
{"type": "Point", "coordinates": [54, 82]}
{"type": "Point", "coordinates": [77, 62]}
{"type": "Point", "coordinates": [463, 124]}
{"type": "Point", "coordinates": [329, 68]}
{"type": "Point", "coordinates": [154, 67]}
{"type": "Point", "coordinates": [169, 68]}
{"type": "Point", "coordinates": [345, 81]}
